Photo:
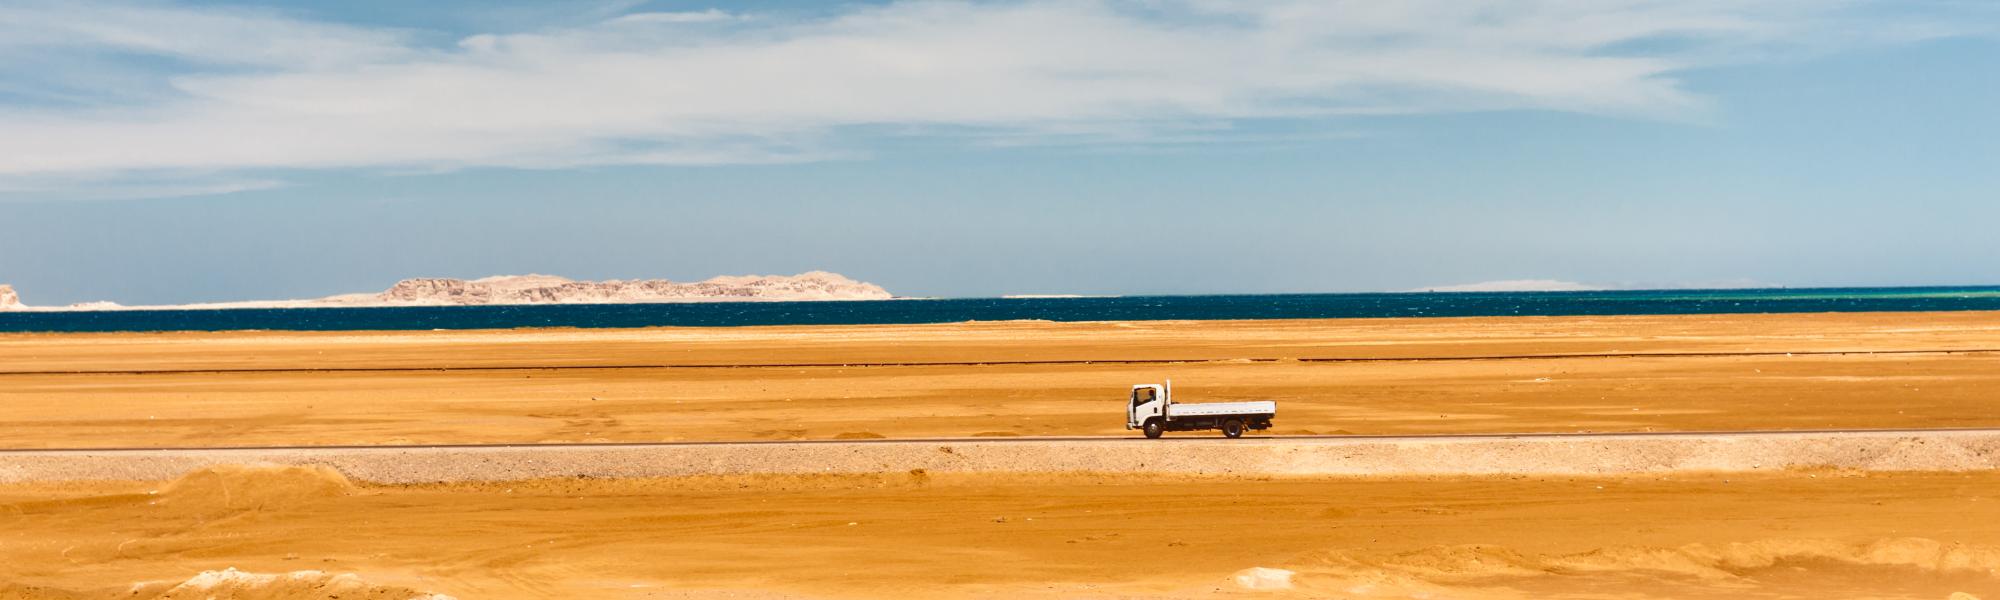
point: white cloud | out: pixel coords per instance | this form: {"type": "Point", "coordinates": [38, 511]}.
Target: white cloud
{"type": "Point", "coordinates": [707, 16]}
{"type": "Point", "coordinates": [212, 37]}
{"type": "Point", "coordinates": [261, 90]}
{"type": "Point", "coordinates": [129, 186]}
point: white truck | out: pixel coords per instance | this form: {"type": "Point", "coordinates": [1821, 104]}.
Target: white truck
{"type": "Point", "coordinates": [1152, 409]}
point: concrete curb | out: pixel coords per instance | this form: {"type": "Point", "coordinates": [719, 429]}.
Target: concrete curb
{"type": "Point", "coordinates": [1603, 454]}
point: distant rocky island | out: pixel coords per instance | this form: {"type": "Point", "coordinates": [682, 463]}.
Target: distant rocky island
{"type": "Point", "coordinates": [546, 289]}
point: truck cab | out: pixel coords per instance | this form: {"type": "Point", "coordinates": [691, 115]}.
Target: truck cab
{"type": "Point", "coordinates": [1151, 408]}
{"type": "Point", "coordinates": [1149, 401]}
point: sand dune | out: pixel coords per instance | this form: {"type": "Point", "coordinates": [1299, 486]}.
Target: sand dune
{"type": "Point", "coordinates": [236, 488]}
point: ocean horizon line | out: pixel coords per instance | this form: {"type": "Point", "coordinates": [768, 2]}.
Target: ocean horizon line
{"type": "Point", "coordinates": [1198, 307]}
{"type": "Point", "coordinates": [229, 305]}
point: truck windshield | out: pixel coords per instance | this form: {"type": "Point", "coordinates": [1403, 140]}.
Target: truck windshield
{"type": "Point", "coordinates": [1142, 396]}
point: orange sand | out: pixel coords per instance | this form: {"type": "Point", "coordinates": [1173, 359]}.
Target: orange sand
{"type": "Point", "coordinates": [1228, 360]}
{"type": "Point", "coordinates": [1812, 535]}
{"type": "Point", "coordinates": [1782, 535]}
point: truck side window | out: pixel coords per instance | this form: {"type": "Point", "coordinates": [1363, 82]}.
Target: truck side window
{"type": "Point", "coordinates": [1142, 396]}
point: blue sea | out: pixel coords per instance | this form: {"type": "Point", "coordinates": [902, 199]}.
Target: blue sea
{"type": "Point", "coordinates": [1123, 308]}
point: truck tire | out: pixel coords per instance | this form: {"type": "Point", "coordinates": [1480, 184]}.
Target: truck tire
{"type": "Point", "coordinates": [1153, 429]}
{"type": "Point", "coordinates": [1232, 428]}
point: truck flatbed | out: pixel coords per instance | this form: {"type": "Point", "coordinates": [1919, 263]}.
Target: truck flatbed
{"type": "Point", "coordinates": [1211, 409]}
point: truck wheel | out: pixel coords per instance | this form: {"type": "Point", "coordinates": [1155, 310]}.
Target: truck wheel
{"type": "Point", "coordinates": [1232, 428]}
{"type": "Point", "coordinates": [1153, 430]}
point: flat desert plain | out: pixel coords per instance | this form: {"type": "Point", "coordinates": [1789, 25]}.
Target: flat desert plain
{"type": "Point", "coordinates": [306, 532]}
{"type": "Point", "coordinates": [1355, 376]}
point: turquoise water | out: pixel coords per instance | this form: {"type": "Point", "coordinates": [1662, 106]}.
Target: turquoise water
{"type": "Point", "coordinates": [1127, 308]}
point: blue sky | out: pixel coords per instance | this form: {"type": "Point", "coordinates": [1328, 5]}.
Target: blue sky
{"type": "Point", "coordinates": [158, 152]}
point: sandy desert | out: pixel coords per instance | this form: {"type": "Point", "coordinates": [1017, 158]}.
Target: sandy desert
{"type": "Point", "coordinates": [266, 531]}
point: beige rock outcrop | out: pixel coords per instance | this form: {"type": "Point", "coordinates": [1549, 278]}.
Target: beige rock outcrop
{"type": "Point", "coordinates": [548, 289]}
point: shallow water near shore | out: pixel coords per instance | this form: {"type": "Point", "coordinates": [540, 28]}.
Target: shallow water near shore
{"type": "Point", "coordinates": [1123, 308]}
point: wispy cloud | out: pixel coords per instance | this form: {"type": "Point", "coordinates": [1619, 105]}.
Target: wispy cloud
{"type": "Point", "coordinates": [706, 16]}
{"type": "Point", "coordinates": [205, 36]}
{"type": "Point", "coordinates": [129, 186]}
{"type": "Point", "coordinates": [259, 90]}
